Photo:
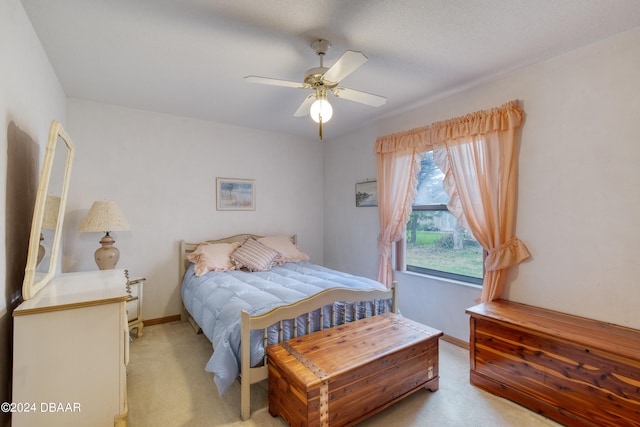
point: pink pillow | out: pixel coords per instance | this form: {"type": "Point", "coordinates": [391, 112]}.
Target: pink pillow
{"type": "Point", "coordinates": [286, 248]}
{"type": "Point", "coordinates": [254, 256]}
{"type": "Point", "coordinates": [213, 257]}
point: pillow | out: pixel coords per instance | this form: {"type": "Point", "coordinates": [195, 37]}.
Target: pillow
{"type": "Point", "coordinates": [212, 257]}
{"type": "Point", "coordinates": [254, 256]}
{"type": "Point", "coordinates": [288, 251]}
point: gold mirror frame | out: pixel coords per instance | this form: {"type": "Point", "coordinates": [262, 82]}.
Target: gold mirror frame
{"type": "Point", "coordinates": [35, 280]}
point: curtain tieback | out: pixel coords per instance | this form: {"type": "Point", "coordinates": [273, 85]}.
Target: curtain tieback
{"type": "Point", "coordinates": [506, 255]}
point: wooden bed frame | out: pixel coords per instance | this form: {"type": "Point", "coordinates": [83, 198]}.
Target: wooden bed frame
{"type": "Point", "coordinates": [249, 375]}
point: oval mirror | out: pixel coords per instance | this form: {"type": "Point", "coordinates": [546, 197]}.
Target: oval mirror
{"type": "Point", "coordinates": [48, 214]}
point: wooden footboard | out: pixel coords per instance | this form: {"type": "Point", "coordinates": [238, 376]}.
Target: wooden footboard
{"type": "Point", "coordinates": [281, 314]}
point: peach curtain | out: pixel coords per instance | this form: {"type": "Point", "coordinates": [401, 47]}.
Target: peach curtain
{"type": "Point", "coordinates": [398, 159]}
{"type": "Point", "coordinates": [478, 155]}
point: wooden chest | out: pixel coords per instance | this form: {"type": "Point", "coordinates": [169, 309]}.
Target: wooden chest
{"type": "Point", "coordinates": [342, 375]}
{"type": "Point", "coordinates": [578, 371]}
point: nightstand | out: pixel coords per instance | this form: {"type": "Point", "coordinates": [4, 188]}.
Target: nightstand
{"type": "Point", "coordinates": [134, 304]}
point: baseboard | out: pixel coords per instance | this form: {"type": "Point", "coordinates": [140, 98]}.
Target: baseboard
{"type": "Point", "coordinates": [455, 341]}
{"type": "Point", "coordinates": [159, 320]}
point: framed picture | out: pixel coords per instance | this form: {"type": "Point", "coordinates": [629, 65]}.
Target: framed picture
{"type": "Point", "coordinates": [366, 193]}
{"type": "Point", "coordinates": [235, 194]}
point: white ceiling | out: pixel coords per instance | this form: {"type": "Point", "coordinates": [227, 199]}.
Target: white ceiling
{"type": "Point", "coordinates": [189, 57]}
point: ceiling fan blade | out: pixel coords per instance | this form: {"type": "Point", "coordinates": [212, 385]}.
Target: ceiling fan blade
{"type": "Point", "coordinates": [350, 61]}
{"type": "Point", "coordinates": [276, 82]}
{"type": "Point", "coordinates": [359, 96]}
{"type": "Point", "coordinates": [305, 107]}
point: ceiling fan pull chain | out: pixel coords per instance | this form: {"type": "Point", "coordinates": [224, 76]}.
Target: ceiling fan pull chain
{"type": "Point", "coordinates": [320, 126]}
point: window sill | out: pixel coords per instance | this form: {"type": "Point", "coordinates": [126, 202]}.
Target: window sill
{"type": "Point", "coordinates": [439, 279]}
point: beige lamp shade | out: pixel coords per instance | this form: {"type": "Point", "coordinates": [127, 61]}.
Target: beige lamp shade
{"type": "Point", "coordinates": [51, 209]}
{"type": "Point", "coordinates": [105, 216]}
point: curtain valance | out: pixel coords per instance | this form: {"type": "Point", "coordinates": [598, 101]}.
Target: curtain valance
{"type": "Point", "coordinates": [507, 116]}
{"type": "Point", "coordinates": [414, 139]}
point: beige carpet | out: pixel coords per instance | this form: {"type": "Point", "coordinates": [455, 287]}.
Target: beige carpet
{"type": "Point", "coordinates": [168, 386]}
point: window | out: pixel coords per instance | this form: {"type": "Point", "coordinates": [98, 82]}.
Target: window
{"type": "Point", "coordinates": [435, 244]}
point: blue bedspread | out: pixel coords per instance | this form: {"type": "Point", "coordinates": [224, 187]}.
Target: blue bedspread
{"type": "Point", "coordinates": [216, 299]}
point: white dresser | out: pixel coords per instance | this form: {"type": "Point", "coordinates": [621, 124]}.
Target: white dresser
{"type": "Point", "coordinates": [70, 351]}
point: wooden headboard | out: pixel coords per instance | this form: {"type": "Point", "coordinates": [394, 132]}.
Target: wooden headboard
{"type": "Point", "coordinates": [186, 248]}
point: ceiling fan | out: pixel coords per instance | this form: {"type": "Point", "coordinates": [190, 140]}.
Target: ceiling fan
{"type": "Point", "coordinates": [323, 80]}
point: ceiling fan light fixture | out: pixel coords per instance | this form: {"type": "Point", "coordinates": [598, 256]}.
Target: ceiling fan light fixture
{"type": "Point", "coordinates": [321, 109]}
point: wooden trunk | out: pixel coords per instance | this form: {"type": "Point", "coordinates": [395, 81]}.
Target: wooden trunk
{"type": "Point", "coordinates": [577, 371]}
{"type": "Point", "coordinates": [342, 375]}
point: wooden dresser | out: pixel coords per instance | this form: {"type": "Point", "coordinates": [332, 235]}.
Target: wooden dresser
{"type": "Point", "coordinates": [577, 371]}
{"type": "Point", "coordinates": [70, 350]}
{"type": "Point", "coordinates": [342, 375]}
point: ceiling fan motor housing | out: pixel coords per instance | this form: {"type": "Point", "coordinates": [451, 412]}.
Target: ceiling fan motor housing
{"type": "Point", "coordinates": [313, 77]}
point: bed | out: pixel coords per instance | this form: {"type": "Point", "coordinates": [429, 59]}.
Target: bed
{"type": "Point", "coordinates": [241, 312]}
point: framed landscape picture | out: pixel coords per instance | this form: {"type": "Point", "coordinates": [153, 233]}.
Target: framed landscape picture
{"type": "Point", "coordinates": [366, 193]}
{"type": "Point", "coordinates": [235, 194]}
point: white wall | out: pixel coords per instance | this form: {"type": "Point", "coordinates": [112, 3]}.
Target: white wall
{"type": "Point", "coordinates": [579, 192]}
{"type": "Point", "coordinates": [30, 93]}
{"type": "Point", "coordinates": [351, 233]}
{"type": "Point", "coordinates": [161, 170]}
{"type": "Point", "coordinates": [30, 97]}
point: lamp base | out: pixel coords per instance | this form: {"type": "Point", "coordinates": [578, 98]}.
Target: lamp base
{"type": "Point", "coordinates": [41, 250]}
{"type": "Point", "coordinates": [107, 256]}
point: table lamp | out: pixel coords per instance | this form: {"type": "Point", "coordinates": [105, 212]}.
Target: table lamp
{"type": "Point", "coordinates": [49, 220]}
{"type": "Point", "coordinates": [105, 216]}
